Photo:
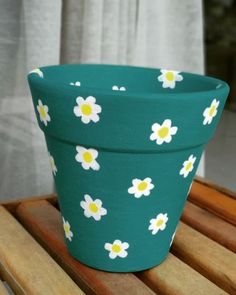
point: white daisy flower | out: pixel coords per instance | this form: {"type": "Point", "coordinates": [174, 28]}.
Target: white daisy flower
{"type": "Point", "coordinates": [141, 187]}
{"type": "Point", "coordinates": [172, 239]}
{"type": "Point", "coordinates": [187, 166]}
{"type": "Point", "coordinates": [77, 83]}
{"type": "Point", "coordinates": [68, 232]}
{"type": "Point", "coordinates": [117, 248]}
{"type": "Point", "coordinates": [163, 133]}
{"type": "Point", "coordinates": [38, 72]}
{"type": "Point", "coordinates": [210, 112]}
{"type": "Point", "coordinates": [93, 208]}
{"type": "Point", "coordinates": [52, 163]}
{"type": "Point", "coordinates": [87, 109]}
{"type": "Point", "coordinates": [169, 78]}
{"type": "Point", "coordinates": [87, 158]}
{"type": "Point", "coordinates": [115, 87]}
{"type": "Point", "coordinates": [158, 223]}
{"type": "Point", "coordinates": [43, 113]}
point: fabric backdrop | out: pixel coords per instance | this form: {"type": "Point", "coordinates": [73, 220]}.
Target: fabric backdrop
{"type": "Point", "coordinates": [157, 33]}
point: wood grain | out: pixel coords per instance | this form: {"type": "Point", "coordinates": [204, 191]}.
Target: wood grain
{"type": "Point", "coordinates": [212, 260]}
{"type": "Point", "coordinates": [3, 290]}
{"type": "Point", "coordinates": [44, 222]}
{"type": "Point", "coordinates": [28, 263]}
{"type": "Point", "coordinates": [217, 187]}
{"type": "Point", "coordinates": [175, 277]}
{"type": "Point", "coordinates": [210, 225]}
{"type": "Point", "coordinates": [214, 201]}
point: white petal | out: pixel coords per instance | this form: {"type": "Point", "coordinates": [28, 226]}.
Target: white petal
{"type": "Point", "coordinates": [78, 158]}
{"type": "Point", "coordinates": [123, 254]}
{"type": "Point", "coordinates": [156, 127]}
{"type": "Point", "coordinates": [95, 166]}
{"type": "Point", "coordinates": [151, 186]}
{"type": "Point", "coordinates": [137, 194]}
{"type": "Point", "coordinates": [131, 190]}
{"type": "Point", "coordinates": [90, 100]}
{"type": "Point", "coordinates": [115, 87]}
{"type": "Point", "coordinates": [122, 88]}
{"type": "Point", "coordinates": [146, 193]}
{"type": "Point", "coordinates": [112, 255]}
{"type": "Point", "coordinates": [85, 119]}
{"type": "Point", "coordinates": [83, 204]}
{"type": "Point", "coordinates": [97, 108]}
{"type": "Point", "coordinates": [153, 136]}
{"type": "Point", "coordinates": [118, 242]}
{"type": "Point", "coordinates": [108, 246]}
{"type": "Point", "coordinates": [97, 216]}
{"type": "Point", "coordinates": [77, 111]}
{"type": "Point", "coordinates": [125, 245]}
{"type": "Point", "coordinates": [178, 77]}
{"type": "Point", "coordinates": [94, 153]}
{"type": "Point", "coordinates": [136, 181]}
{"type": "Point", "coordinates": [166, 123]}
{"type": "Point", "coordinates": [148, 179]}
{"type": "Point", "coordinates": [167, 139]}
{"type": "Point", "coordinates": [103, 211]}
{"type": "Point", "coordinates": [160, 78]}
{"type": "Point", "coordinates": [159, 140]}
{"type": "Point", "coordinates": [94, 117]}
{"type": "Point", "coordinates": [98, 203]}
{"type": "Point", "coordinates": [79, 100]}
{"type": "Point", "coordinates": [173, 130]}
{"type": "Point", "coordinates": [87, 198]}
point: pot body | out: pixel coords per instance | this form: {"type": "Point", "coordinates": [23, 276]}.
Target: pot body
{"type": "Point", "coordinates": [123, 176]}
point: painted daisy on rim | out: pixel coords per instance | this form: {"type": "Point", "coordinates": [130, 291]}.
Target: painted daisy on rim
{"type": "Point", "coordinates": [117, 249]}
{"type": "Point", "coordinates": [87, 109]}
{"type": "Point", "coordinates": [163, 133]}
{"type": "Point", "coordinates": [68, 232]}
{"type": "Point", "coordinates": [141, 187]}
{"type": "Point", "coordinates": [188, 166]}
{"type": "Point", "coordinates": [77, 83]}
{"type": "Point", "coordinates": [93, 208]}
{"type": "Point", "coordinates": [169, 78]}
{"type": "Point", "coordinates": [43, 113]}
{"type": "Point", "coordinates": [158, 223]}
{"type": "Point", "coordinates": [87, 158]}
{"type": "Point", "coordinates": [52, 163]}
{"type": "Point", "coordinates": [115, 87]}
{"type": "Point", "coordinates": [210, 112]}
{"type": "Point", "coordinates": [38, 72]}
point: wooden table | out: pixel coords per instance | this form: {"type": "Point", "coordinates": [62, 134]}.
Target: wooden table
{"type": "Point", "coordinates": [34, 259]}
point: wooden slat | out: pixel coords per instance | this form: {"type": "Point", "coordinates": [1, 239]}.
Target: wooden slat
{"type": "Point", "coordinates": [210, 225]}
{"type": "Point", "coordinates": [214, 201]}
{"type": "Point", "coordinates": [44, 222]}
{"type": "Point", "coordinates": [217, 187]}
{"type": "Point", "coordinates": [3, 290]}
{"type": "Point", "coordinates": [175, 277]}
{"type": "Point", "coordinates": [28, 263]}
{"type": "Point", "coordinates": [13, 204]}
{"type": "Point", "coordinates": [212, 260]}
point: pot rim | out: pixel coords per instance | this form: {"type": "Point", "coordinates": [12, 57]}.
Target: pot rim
{"type": "Point", "coordinates": [217, 84]}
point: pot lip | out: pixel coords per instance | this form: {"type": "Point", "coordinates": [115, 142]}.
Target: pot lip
{"type": "Point", "coordinates": [218, 86]}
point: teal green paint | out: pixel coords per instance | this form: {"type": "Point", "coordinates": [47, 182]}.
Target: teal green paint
{"type": "Point", "coordinates": [125, 152]}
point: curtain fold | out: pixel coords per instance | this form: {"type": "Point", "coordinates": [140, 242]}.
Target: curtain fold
{"type": "Point", "coordinates": [166, 34]}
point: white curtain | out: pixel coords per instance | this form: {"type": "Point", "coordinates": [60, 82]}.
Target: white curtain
{"type": "Point", "coordinates": [155, 33]}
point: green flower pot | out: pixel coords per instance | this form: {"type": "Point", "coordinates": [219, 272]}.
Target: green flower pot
{"type": "Point", "coordinates": [124, 144]}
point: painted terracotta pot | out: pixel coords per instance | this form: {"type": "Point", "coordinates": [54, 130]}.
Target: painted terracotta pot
{"type": "Point", "coordinates": [124, 144]}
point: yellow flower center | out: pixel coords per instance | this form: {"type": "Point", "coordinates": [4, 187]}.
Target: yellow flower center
{"type": "Point", "coordinates": [142, 186]}
{"type": "Point", "coordinates": [163, 132]}
{"type": "Point", "coordinates": [88, 158]}
{"type": "Point", "coordinates": [170, 76]}
{"type": "Point", "coordinates": [116, 248]}
{"type": "Point", "coordinates": [66, 228]}
{"type": "Point", "coordinates": [93, 207]}
{"type": "Point", "coordinates": [188, 166]}
{"type": "Point", "coordinates": [42, 112]}
{"type": "Point", "coordinates": [159, 222]}
{"type": "Point", "coordinates": [86, 109]}
{"type": "Point", "coordinates": [212, 111]}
